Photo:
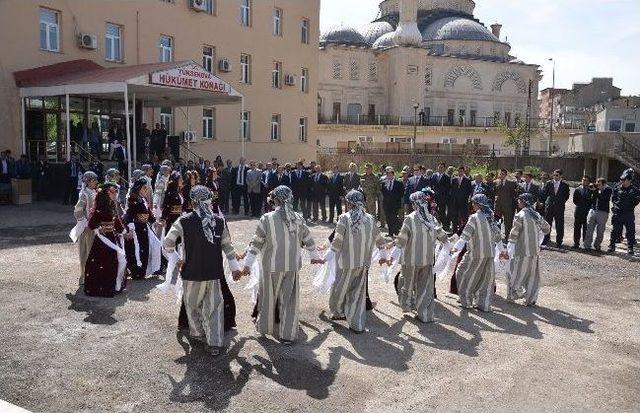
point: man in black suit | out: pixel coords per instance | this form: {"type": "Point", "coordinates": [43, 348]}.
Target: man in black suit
{"type": "Point", "coordinates": [319, 186]}
{"type": "Point", "coordinates": [352, 179]}
{"type": "Point", "coordinates": [225, 185]}
{"type": "Point", "coordinates": [459, 196]}
{"type": "Point", "coordinates": [239, 188]}
{"type": "Point", "coordinates": [300, 189]}
{"type": "Point", "coordinates": [282, 178]}
{"type": "Point", "coordinates": [415, 183]}
{"type": "Point", "coordinates": [583, 200]}
{"type": "Point", "coordinates": [73, 170]}
{"type": "Point", "coordinates": [556, 195]}
{"type": "Point", "coordinates": [336, 192]}
{"type": "Point", "coordinates": [269, 175]}
{"type": "Point", "coordinates": [392, 191]}
{"type": "Point", "coordinates": [529, 187]}
{"type": "Point", "coordinates": [442, 185]}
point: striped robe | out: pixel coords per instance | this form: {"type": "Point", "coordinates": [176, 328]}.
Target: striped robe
{"type": "Point", "coordinates": [524, 271]}
{"type": "Point", "coordinates": [281, 261]}
{"type": "Point", "coordinates": [82, 210]}
{"type": "Point", "coordinates": [353, 258]}
{"type": "Point", "coordinates": [476, 273]}
{"type": "Point", "coordinates": [415, 284]}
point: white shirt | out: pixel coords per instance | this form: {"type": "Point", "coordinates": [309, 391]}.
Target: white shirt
{"type": "Point", "coordinates": [240, 179]}
{"type": "Point", "coordinates": [556, 186]}
{"type": "Point", "coordinates": [5, 167]}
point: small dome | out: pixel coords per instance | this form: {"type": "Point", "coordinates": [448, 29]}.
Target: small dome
{"type": "Point", "coordinates": [384, 41]}
{"type": "Point", "coordinates": [343, 35]}
{"type": "Point", "coordinates": [372, 31]}
{"type": "Point", "coordinates": [457, 28]}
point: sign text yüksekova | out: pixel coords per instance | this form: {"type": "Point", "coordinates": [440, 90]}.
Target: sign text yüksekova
{"type": "Point", "coordinates": [190, 77]}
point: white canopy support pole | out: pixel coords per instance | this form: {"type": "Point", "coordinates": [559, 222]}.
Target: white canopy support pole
{"type": "Point", "coordinates": [146, 147]}
{"type": "Point", "coordinates": [68, 121]}
{"type": "Point", "coordinates": [24, 130]}
{"type": "Point", "coordinates": [135, 133]}
{"type": "Point", "coordinates": [188, 135]}
{"type": "Point", "coordinates": [126, 120]}
{"type": "Point", "coordinates": [242, 137]}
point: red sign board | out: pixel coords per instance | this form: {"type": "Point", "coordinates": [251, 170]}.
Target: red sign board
{"type": "Point", "coordinates": [190, 77]}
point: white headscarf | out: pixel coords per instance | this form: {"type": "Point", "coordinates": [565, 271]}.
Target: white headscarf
{"type": "Point", "coordinates": [356, 200]}
{"type": "Point", "coordinates": [282, 197]}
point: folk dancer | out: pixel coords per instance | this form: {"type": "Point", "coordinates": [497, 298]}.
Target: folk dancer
{"type": "Point", "coordinates": [144, 249]}
{"type": "Point", "coordinates": [82, 212]}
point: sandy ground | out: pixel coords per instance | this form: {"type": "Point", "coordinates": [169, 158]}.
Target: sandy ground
{"type": "Point", "coordinates": [64, 352]}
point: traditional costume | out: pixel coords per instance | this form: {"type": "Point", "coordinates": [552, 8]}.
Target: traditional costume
{"type": "Point", "coordinates": [529, 229]}
{"type": "Point", "coordinates": [277, 239]}
{"type": "Point", "coordinates": [205, 237]}
{"type": "Point", "coordinates": [162, 180]}
{"type": "Point", "coordinates": [356, 235]}
{"type": "Point", "coordinates": [106, 263]}
{"type": "Point", "coordinates": [476, 274]}
{"type": "Point", "coordinates": [82, 211]}
{"type": "Point", "coordinates": [415, 250]}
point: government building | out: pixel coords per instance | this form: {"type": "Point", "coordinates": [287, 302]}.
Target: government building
{"type": "Point", "coordinates": [424, 62]}
{"type": "Point", "coordinates": [224, 76]}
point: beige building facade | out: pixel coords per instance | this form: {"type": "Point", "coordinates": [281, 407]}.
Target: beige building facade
{"type": "Point", "coordinates": [267, 51]}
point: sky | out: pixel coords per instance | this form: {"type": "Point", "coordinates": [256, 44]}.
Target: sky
{"type": "Point", "coordinates": [586, 38]}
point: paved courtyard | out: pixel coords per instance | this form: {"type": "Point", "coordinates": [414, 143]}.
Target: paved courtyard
{"type": "Point", "coordinates": [63, 352]}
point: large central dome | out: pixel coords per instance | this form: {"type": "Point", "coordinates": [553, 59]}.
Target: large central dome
{"type": "Point", "coordinates": [457, 28]}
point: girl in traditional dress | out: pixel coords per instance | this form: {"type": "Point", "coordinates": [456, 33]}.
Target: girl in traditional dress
{"type": "Point", "coordinates": [529, 228]}
{"type": "Point", "coordinates": [143, 251]}
{"type": "Point", "coordinates": [191, 179]}
{"type": "Point", "coordinates": [162, 180]}
{"type": "Point", "coordinates": [356, 235]}
{"type": "Point", "coordinates": [82, 212]}
{"type": "Point", "coordinates": [106, 263]}
{"type": "Point", "coordinates": [173, 201]}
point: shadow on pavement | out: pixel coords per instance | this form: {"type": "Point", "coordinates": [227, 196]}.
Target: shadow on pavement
{"type": "Point", "coordinates": [99, 310]}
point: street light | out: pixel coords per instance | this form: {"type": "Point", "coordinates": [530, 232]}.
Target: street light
{"type": "Point", "coordinates": [415, 127]}
{"type": "Point", "coordinates": [553, 89]}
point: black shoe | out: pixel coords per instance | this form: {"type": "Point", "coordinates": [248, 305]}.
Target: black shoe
{"type": "Point", "coordinates": [597, 249]}
{"type": "Point", "coordinates": [611, 249]}
{"type": "Point", "coordinates": [630, 251]}
{"type": "Point", "coordinates": [575, 247]}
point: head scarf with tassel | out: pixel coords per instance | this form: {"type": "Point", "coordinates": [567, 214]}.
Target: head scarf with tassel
{"type": "Point", "coordinates": [282, 198]}
{"type": "Point", "coordinates": [355, 199]}
{"type": "Point", "coordinates": [485, 208]}
{"type": "Point", "coordinates": [201, 201]}
{"type": "Point", "coordinates": [529, 201]}
{"type": "Point", "coordinates": [421, 202]}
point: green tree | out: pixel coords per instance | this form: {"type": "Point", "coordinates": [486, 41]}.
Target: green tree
{"type": "Point", "coordinates": [514, 136]}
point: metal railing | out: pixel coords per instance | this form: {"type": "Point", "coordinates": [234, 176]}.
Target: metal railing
{"type": "Point", "coordinates": [427, 149]}
{"type": "Point", "coordinates": [630, 149]}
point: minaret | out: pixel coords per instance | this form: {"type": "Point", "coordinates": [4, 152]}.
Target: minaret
{"type": "Point", "coordinates": [407, 33]}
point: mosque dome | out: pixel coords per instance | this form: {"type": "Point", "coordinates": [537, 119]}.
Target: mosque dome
{"type": "Point", "coordinates": [384, 41]}
{"type": "Point", "coordinates": [373, 31]}
{"type": "Point", "coordinates": [457, 28]}
{"type": "Point", "coordinates": [343, 35]}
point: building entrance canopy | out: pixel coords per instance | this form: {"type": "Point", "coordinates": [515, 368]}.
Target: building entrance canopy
{"type": "Point", "coordinates": [166, 84]}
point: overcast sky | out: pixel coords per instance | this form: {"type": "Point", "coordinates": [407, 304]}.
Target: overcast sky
{"type": "Point", "coordinates": [587, 38]}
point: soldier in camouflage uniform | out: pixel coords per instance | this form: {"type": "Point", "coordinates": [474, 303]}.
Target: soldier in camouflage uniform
{"type": "Point", "coordinates": [370, 184]}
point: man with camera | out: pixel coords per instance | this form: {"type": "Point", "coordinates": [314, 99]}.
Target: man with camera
{"type": "Point", "coordinates": [598, 214]}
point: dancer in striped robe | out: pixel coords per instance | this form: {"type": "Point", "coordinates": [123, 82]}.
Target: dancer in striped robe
{"type": "Point", "coordinates": [524, 249]}
{"type": "Point", "coordinates": [476, 273]}
{"type": "Point", "coordinates": [415, 248]}
{"type": "Point", "coordinates": [82, 212]}
{"type": "Point", "coordinates": [278, 237]}
{"type": "Point", "coordinates": [356, 236]}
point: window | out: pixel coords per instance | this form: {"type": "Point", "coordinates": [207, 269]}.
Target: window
{"type": "Point", "coordinates": [211, 6]}
{"type": "Point", "coordinates": [245, 126]}
{"type": "Point", "coordinates": [428, 72]}
{"type": "Point", "coordinates": [276, 75]}
{"type": "Point", "coordinates": [245, 68]}
{"type": "Point", "coordinates": [450, 115]}
{"type": "Point", "coordinates": [461, 116]}
{"type": "Point", "coordinates": [615, 125]}
{"type": "Point", "coordinates": [277, 22]}
{"type": "Point", "coordinates": [337, 69]}
{"type": "Point", "coordinates": [113, 43]}
{"type": "Point", "coordinates": [49, 30]}
{"type": "Point", "coordinates": [473, 141]}
{"type": "Point", "coordinates": [304, 80]}
{"type": "Point", "coordinates": [473, 114]}
{"type": "Point", "coordinates": [629, 127]}
{"type": "Point", "coordinates": [302, 130]}
{"type": "Point", "coordinates": [354, 71]}
{"type": "Point", "coordinates": [275, 127]}
{"type": "Point", "coordinates": [449, 141]}
{"type": "Point", "coordinates": [166, 118]}
{"type": "Point", "coordinates": [166, 48]}
{"type": "Point", "coordinates": [209, 123]}
{"type": "Point", "coordinates": [373, 72]}
{"type": "Point", "coordinates": [208, 58]}
{"type": "Point", "coordinates": [245, 13]}
{"type": "Point", "coordinates": [304, 31]}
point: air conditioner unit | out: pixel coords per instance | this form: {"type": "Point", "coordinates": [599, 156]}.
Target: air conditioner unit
{"type": "Point", "coordinates": [199, 5]}
{"type": "Point", "coordinates": [224, 65]}
{"type": "Point", "coordinates": [88, 41]}
{"type": "Point", "coordinates": [189, 136]}
{"type": "Point", "coordinates": [290, 80]}
{"type": "Point", "coordinates": [365, 139]}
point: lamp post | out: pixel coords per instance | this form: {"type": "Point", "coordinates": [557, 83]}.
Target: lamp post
{"type": "Point", "coordinates": [415, 127]}
{"type": "Point", "coordinates": [553, 89]}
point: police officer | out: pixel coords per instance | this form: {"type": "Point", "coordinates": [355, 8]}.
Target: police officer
{"type": "Point", "coordinates": [625, 198]}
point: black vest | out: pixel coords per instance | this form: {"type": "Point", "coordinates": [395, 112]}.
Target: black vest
{"type": "Point", "coordinates": [203, 260]}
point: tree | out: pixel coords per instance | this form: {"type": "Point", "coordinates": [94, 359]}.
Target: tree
{"type": "Point", "coordinates": [514, 136]}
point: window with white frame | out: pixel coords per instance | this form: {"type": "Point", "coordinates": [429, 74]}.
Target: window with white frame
{"type": "Point", "coordinates": [113, 43]}
{"type": "Point", "coordinates": [275, 127]}
{"type": "Point", "coordinates": [166, 118]}
{"type": "Point", "coordinates": [245, 126]}
{"type": "Point", "coordinates": [277, 22]}
{"type": "Point", "coordinates": [49, 30]}
{"type": "Point", "coordinates": [245, 12]}
{"type": "Point", "coordinates": [166, 48]}
{"type": "Point", "coordinates": [304, 80]}
{"type": "Point", "coordinates": [245, 68]}
{"type": "Point", "coordinates": [211, 6]}
{"type": "Point", "coordinates": [302, 130]}
{"type": "Point", "coordinates": [276, 75]}
{"type": "Point", "coordinates": [208, 123]}
{"type": "Point", "coordinates": [208, 58]}
{"type": "Point", "coordinates": [304, 31]}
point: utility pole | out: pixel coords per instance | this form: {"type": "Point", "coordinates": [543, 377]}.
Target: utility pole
{"type": "Point", "coordinates": [527, 139]}
{"type": "Point", "coordinates": [415, 128]}
{"type": "Point", "coordinates": [552, 95]}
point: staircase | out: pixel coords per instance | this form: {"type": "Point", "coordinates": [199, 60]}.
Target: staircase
{"type": "Point", "coordinates": [627, 152]}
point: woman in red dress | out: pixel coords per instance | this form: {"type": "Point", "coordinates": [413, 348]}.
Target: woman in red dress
{"type": "Point", "coordinates": [106, 263]}
{"type": "Point", "coordinates": [138, 217]}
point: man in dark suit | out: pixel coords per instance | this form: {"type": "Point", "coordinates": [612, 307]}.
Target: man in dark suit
{"type": "Point", "coordinates": [335, 191]}
{"type": "Point", "coordinates": [300, 188]}
{"type": "Point", "coordinates": [392, 191]}
{"type": "Point", "coordinates": [505, 203]}
{"type": "Point", "coordinates": [556, 194]}
{"type": "Point", "coordinates": [268, 184]}
{"type": "Point", "coordinates": [225, 185]}
{"type": "Point", "coordinates": [415, 183]}
{"type": "Point", "coordinates": [442, 185]}
{"type": "Point", "coordinates": [319, 186]}
{"type": "Point", "coordinates": [282, 178]}
{"type": "Point", "coordinates": [583, 200]}
{"type": "Point", "coordinates": [73, 170]}
{"type": "Point", "coordinates": [529, 187]}
{"type": "Point", "coordinates": [239, 188]}
{"type": "Point", "coordinates": [459, 196]}
{"type": "Point", "coordinates": [352, 179]}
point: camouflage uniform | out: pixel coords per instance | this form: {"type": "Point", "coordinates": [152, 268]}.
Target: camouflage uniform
{"type": "Point", "coordinates": [371, 187]}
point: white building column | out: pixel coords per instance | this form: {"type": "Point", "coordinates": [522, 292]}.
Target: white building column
{"type": "Point", "coordinates": [127, 123]}
{"type": "Point", "coordinates": [68, 121]}
{"type": "Point", "coordinates": [24, 126]}
{"type": "Point", "coordinates": [135, 133]}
